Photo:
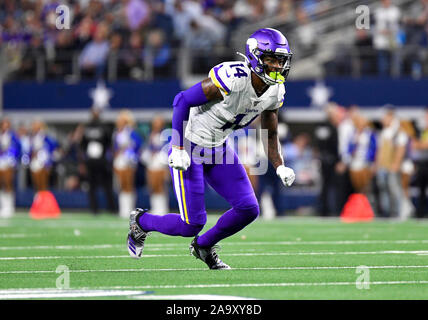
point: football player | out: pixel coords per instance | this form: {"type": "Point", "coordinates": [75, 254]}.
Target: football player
{"type": "Point", "coordinates": [233, 95]}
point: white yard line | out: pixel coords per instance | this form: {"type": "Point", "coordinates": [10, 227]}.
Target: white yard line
{"type": "Point", "coordinates": [224, 254]}
{"type": "Point", "coordinates": [19, 235]}
{"type": "Point", "coordinates": [63, 257]}
{"type": "Point", "coordinates": [240, 243]}
{"type": "Point", "coordinates": [102, 291]}
{"type": "Point", "coordinates": [63, 247]}
{"type": "Point", "coordinates": [90, 293]}
{"type": "Point", "coordinates": [283, 284]}
{"type": "Point", "coordinates": [207, 270]}
{"type": "Point", "coordinates": [49, 293]}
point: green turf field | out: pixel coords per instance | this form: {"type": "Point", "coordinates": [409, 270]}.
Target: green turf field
{"type": "Point", "coordinates": [288, 258]}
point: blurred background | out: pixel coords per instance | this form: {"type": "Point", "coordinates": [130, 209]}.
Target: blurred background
{"type": "Point", "coordinates": [354, 120]}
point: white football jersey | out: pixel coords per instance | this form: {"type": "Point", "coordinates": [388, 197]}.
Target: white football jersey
{"type": "Point", "coordinates": [211, 123]}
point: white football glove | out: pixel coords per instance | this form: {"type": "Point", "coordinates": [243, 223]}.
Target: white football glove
{"type": "Point", "coordinates": [179, 159]}
{"type": "Point", "coordinates": [286, 175]}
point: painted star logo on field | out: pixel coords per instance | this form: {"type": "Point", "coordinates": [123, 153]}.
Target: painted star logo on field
{"type": "Point", "coordinates": [319, 94]}
{"type": "Point", "coordinates": [100, 96]}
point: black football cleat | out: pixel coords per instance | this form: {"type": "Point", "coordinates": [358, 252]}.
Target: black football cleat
{"type": "Point", "coordinates": [207, 255]}
{"type": "Point", "coordinates": [136, 235]}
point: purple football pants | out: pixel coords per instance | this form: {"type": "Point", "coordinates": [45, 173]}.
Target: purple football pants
{"type": "Point", "coordinates": [221, 169]}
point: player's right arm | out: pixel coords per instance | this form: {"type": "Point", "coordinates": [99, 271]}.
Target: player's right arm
{"type": "Point", "coordinates": [222, 80]}
{"type": "Point", "coordinates": [197, 95]}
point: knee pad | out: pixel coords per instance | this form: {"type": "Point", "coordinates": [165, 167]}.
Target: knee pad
{"type": "Point", "coordinates": [249, 213]}
{"type": "Point", "coordinates": [191, 229]}
{"type": "Point", "coordinates": [248, 206]}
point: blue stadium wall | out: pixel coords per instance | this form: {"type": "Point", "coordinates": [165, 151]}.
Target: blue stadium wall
{"type": "Point", "coordinates": [160, 94]}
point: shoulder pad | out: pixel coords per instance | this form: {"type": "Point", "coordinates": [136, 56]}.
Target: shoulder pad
{"type": "Point", "coordinates": [230, 76]}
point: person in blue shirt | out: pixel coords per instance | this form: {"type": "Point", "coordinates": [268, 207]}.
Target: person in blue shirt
{"type": "Point", "coordinates": [41, 155]}
{"type": "Point", "coordinates": [10, 152]}
{"type": "Point", "coordinates": [126, 146]}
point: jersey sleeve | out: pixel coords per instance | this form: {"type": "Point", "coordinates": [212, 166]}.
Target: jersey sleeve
{"type": "Point", "coordinates": [228, 76]}
{"type": "Point", "coordinates": [280, 99]}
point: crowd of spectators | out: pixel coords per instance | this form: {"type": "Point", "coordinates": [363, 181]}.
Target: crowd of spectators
{"type": "Point", "coordinates": [134, 32]}
{"type": "Point", "coordinates": [138, 33]}
{"type": "Point", "coordinates": [394, 45]}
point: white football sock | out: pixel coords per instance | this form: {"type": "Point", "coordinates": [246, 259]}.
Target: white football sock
{"type": "Point", "coordinates": [267, 207]}
{"type": "Point", "coordinates": [126, 203]}
{"type": "Point", "coordinates": [7, 204]}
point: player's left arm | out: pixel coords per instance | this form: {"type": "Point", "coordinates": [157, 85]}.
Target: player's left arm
{"type": "Point", "coordinates": [269, 121]}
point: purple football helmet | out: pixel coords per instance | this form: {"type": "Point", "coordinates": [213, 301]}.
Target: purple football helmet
{"type": "Point", "coordinates": [268, 42]}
